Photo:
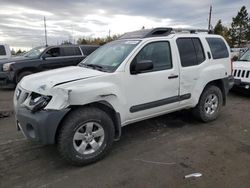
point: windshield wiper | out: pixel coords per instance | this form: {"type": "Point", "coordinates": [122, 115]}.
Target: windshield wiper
{"type": "Point", "coordinates": [95, 67]}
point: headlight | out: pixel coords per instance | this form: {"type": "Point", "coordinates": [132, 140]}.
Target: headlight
{"type": "Point", "coordinates": [6, 66]}
{"type": "Point", "coordinates": [37, 102]}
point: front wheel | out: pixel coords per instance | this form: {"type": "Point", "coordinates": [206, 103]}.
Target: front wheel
{"type": "Point", "coordinates": [86, 136]}
{"type": "Point", "coordinates": [21, 75]}
{"type": "Point", "coordinates": [209, 104]}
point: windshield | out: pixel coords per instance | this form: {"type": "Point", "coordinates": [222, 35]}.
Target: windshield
{"type": "Point", "coordinates": [245, 56]}
{"type": "Point", "coordinates": [110, 56]}
{"type": "Point", "coordinates": [35, 52]}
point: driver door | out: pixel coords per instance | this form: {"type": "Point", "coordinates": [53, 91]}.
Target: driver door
{"type": "Point", "coordinates": [153, 91]}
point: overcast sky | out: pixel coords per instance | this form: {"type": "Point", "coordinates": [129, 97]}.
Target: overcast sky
{"type": "Point", "coordinates": [21, 21]}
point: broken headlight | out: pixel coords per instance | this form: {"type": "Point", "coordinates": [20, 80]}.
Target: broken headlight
{"type": "Point", "coordinates": [38, 102]}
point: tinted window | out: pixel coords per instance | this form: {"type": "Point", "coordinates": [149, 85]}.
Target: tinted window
{"type": "Point", "coordinates": [199, 50]}
{"type": "Point", "coordinates": [2, 50]}
{"type": "Point", "coordinates": [191, 51]}
{"type": "Point", "coordinates": [86, 50]}
{"type": "Point", "coordinates": [70, 51]}
{"type": "Point", "coordinates": [218, 48]}
{"type": "Point", "coordinates": [187, 52]}
{"type": "Point", "coordinates": [53, 52]}
{"type": "Point", "coordinates": [158, 52]}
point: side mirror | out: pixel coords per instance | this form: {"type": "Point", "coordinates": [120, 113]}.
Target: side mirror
{"type": "Point", "coordinates": [142, 66]}
{"type": "Point", "coordinates": [45, 56]}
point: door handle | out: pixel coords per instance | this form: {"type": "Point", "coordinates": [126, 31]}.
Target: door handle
{"type": "Point", "coordinates": [173, 76]}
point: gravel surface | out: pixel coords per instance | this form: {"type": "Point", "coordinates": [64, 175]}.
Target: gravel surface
{"type": "Point", "coordinates": [154, 153]}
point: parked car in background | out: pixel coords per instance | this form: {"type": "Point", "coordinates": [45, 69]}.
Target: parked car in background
{"type": "Point", "coordinates": [141, 75]}
{"type": "Point", "coordinates": [241, 71]}
{"type": "Point", "coordinates": [237, 52]}
{"type": "Point", "coordinates": [40, 59]}
{"type": "Point", "coordinates": [5, 52]}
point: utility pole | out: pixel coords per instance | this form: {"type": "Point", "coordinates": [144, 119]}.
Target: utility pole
{"type": "Point", "coordinates": [209, 18]}
{"type": "Point", "coordinates": [73, 40]}
{"type": "Point", "coordinates": [45, 32]}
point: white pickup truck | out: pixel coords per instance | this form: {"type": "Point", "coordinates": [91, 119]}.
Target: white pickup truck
{"type": "Point", "coordinates": [5, 52]}
{"type": "Point", "coordinates": [141, 75]}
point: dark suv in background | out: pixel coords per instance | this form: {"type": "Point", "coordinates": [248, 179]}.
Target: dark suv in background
{"type": "Point", "coordinates": [40, 59]}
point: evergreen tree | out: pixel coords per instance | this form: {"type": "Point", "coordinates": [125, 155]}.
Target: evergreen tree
{"type": "Point", "coordinates": [239, 31]}
{"type": "Point", "coordinates": [219, 29]}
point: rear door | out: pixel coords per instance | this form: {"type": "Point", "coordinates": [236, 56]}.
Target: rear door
{"type": "Point", "coordinates": [192, 61]}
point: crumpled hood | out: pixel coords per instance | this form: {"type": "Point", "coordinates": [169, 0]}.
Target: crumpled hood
{"type": "Point", "coordinates": [40, 82]}
{"type": "Point", "coordinates": [241, 64]}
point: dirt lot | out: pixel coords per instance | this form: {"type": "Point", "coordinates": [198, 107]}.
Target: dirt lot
{"type": "Point", "coordinates": [155, 153]}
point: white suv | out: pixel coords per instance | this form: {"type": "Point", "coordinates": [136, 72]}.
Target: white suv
{"type": "Point", "coordinates": [142, 75]}
{"type": "Point", "coordinates": [241, 71]}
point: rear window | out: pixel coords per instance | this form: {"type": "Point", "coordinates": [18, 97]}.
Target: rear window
{"type": "Point", "coordinates": [70, 51]}
{"type": "Point", "coordinates": [218, 48]}
{"type": "Point", "coordinates": [191, 51]}
{"type": "Point", "coordinates": [2, 50]}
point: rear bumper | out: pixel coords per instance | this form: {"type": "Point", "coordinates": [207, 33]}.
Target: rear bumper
{"type": "Point", "coordinates": [7, 80]}
{"type": "Point", "coordinates": [40, 126]}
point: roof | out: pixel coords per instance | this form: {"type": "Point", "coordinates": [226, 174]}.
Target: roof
{"type": "Point", "coordinates": [159, 32]}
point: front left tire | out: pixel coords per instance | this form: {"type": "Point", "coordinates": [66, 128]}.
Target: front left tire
{"type": "Point", "coordinates": [86, 135]}
{"type": "Point", "coordinates": [21, 75]}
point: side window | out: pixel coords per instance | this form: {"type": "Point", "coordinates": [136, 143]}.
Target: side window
{"type": "Point", "coordinates": [77, 51]}
{"type": "Point", "coordinates": [218, 48]}
{"type": "Point", "coordinates": [2, 50]}
{"type": "Point", "coordinates": [199, 50]}
{"type": "Point", "coordinates": [70, 51]}
{"type": "Point", "coordinates": [191, 51]}
{"type": "Point", "coordinates": [87, 50]}
{"type": "Point", "coordinates": [158, 52]}
{"type": "Point", "coordinates": [53, 52]}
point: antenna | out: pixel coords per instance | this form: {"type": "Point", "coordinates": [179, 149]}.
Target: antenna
{"type": "Point", "coordinates": [209, 18]}
{"type": "Point", "coordinates": [45, 32]}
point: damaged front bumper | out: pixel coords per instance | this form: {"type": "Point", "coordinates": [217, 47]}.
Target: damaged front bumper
{"type": "Point", "coordinates": [39, 126]}
{"type": "Point", "coordinates": [37, 122]}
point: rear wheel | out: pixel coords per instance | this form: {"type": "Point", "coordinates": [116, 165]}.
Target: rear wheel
{"type": "Point", "coordinates": [209, 104]}
{"type": "Point", "coordinates": [22, 74]}
{"type": "Point", "coordinates": [86, 136]}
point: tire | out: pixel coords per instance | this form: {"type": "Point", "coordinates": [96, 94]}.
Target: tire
{"type": "Point", "coordinates": [77, 144]}
{"type": "Point", "coordinates": [22, 74]}
{"type": "Point", "coordinates": [212, 99]}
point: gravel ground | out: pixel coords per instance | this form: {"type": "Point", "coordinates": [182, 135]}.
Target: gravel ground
{"type": "Point", "coordinates": [154, 153]}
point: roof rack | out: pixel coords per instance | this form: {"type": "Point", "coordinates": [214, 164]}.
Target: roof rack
{"type": "Point", "coordinates": [160, 31]}
{"type": "Point", "coordinates": [184, 30]}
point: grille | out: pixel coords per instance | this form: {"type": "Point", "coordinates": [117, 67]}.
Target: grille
{"type": "Point", "coordinates": [22, 96]}
{"type": "Point", "coordinates": [241, 73]}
